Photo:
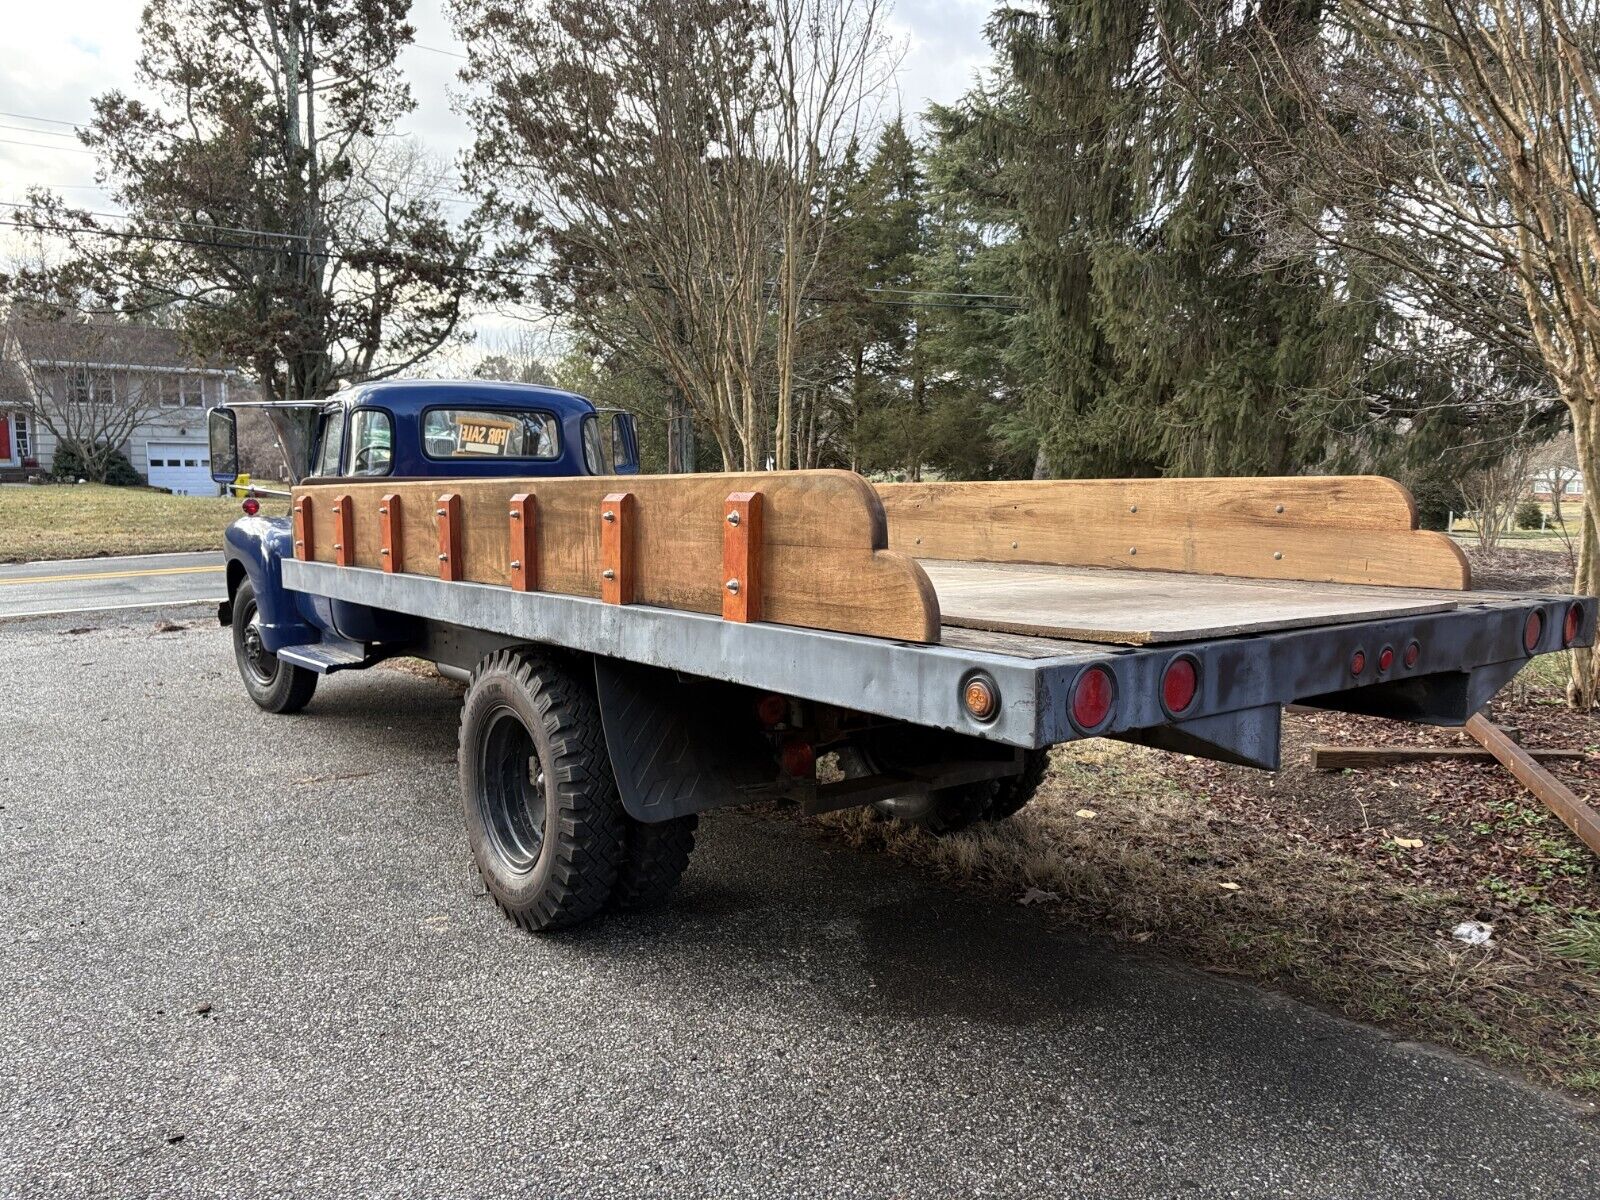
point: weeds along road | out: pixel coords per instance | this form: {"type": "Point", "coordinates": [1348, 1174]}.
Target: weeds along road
{"type": "Point", "coordinates": [247, 955]}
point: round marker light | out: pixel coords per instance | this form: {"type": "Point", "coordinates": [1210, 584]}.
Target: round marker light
{"type": "Point", "coordinates": [1532, 631]}
{"type": "Point", "coordinates": [1092, 696]}
{"type": "Point", "coordinates": [771, 709]}
{"type": "Point", "coordinates": [1358, 662]}
{"type": "Point", "coordinates": [1572, 624]}
{"type": "Point", "coordinates": [251, 506]}
{"type": "Point", "coordinates": [981, 697]}
{"type": "Point", "coordinates": [1385, 658]}
{"type": "Point", "coordinates": [1179, 683]}
{"type": "Point", "coordinates": [798, 759]}
{"type": "Point", "coordinates": [1413, 654]}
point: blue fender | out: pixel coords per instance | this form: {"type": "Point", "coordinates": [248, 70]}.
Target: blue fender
{"type": "Point", "coordinates": [254, 547]}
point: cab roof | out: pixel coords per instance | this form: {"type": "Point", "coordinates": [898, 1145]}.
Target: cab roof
{"type": "Point", "coordinates": [413, 395]}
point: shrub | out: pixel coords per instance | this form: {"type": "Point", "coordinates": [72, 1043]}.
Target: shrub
{"type": "Point", "coordinates": [1436, 499]}
{"type": "Point", "coordinates": [1529, 515]}
{"type": "Point", "coordinates": [69, 465]}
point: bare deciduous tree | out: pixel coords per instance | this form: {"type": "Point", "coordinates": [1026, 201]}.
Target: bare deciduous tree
{"type": "Point", "coordinates": [668, 163]}
{"type": "Point", "coordinates": [1456, 143]}
{"type": "Point", "coordinates": [81, 385]}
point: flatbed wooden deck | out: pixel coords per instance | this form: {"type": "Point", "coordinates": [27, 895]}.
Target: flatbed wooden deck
{"type": "Point", "coordinates": [1139, 608]}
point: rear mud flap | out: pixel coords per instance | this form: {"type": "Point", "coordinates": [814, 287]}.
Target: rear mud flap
{"type": "Point", "coordinates": [679, 745]}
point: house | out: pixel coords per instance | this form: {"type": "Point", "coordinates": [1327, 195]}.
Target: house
{"type": "Point", "coordinates": [107, 381]}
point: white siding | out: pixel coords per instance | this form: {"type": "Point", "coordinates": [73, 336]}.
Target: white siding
{"type": "Point", "coordinates": [186, 423]}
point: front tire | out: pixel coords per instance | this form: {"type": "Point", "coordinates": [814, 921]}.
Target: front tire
{"type": "Point", "coordinates": [544, 819]}
{"type": "Point", "coordinates": [275, 685]}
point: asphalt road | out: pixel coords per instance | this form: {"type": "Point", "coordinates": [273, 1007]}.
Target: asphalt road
{"type": "Point", "coordinates": [244, 955]}
{"type": "Point", "coordinates": [98, 584]}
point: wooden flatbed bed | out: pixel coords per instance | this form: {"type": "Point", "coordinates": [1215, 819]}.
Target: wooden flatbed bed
{"type": "Point", "coordinates": [817, 585]}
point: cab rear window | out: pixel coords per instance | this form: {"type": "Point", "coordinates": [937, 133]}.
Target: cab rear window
{"type": "Point", "coordinates": [489, 433]}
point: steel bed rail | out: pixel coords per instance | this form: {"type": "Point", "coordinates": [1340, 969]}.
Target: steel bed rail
{"type": "Point", "coordinates": [1463, 657]}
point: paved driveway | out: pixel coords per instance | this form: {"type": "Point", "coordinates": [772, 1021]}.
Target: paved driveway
{"type": "Point", "coordinates": [243, 955]}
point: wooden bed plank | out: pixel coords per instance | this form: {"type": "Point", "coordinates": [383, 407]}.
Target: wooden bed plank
{"type": "Point", "coordinates": [1139, 608]}
{"type": "Point", "coordinates": [1358, 529]}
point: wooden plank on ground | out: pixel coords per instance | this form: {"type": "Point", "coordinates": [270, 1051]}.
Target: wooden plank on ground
{"type": "Point", "coordinates": [823, 556]}
{"type": "Point", "coordinates": [1575, 812]}
{"type": "Point", "coordinates": [1356, 758]}
{"type": "Point", "coordinates": [1139, 608]}
{"type": "Point", "coordinates": [1334, 529]}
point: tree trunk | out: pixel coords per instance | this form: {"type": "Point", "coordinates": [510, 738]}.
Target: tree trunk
{"type": "Point", "coordinates": [1584, 685]}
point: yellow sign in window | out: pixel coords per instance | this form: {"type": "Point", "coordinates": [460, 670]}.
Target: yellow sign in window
{"type": "Point", "coordinates": [477, 436]}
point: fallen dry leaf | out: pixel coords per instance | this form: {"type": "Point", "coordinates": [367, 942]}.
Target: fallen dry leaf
{"type": "Point", "coordinates": [1408, 843]}
{"type": "Point", "coordinates": [1037, 896]}
{"type": "Point", "coordinates": [1232, 887]}
{"type": "Point", "coordinates": [1088, 814]}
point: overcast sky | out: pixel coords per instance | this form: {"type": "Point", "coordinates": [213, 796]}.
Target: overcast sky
{"type": "Point", "coordinates": [55, 55]}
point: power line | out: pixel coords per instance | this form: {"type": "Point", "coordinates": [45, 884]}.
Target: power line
{"type": "Point", "coordinates": [468, 268]}
{"type": "Point", "coordinates": [38, 132]}
{"type": "Point", "coordinates": [46, 120]}
{"type": "Point", "coordinates": [437, 50]}
{"type": "Point", "coordinates": [37, 146]}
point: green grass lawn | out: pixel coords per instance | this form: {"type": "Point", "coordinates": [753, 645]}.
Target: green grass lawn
{"type": "Point", "coordinates": [90, 520]}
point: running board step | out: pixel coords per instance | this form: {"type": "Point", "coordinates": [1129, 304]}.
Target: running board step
{"type": "Point", "coordinates": [324, 659]}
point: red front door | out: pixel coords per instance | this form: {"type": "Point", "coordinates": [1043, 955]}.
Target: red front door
{"type": "Point", "coordinates": [5, 437]}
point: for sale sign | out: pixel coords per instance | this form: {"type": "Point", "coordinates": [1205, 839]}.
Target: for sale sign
{"type": "Point", "coordinates": [478, 435]}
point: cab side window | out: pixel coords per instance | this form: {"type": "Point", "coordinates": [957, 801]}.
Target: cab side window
{"type": "Point", "coordinates": [371, 442]}
{"type": "Point", "coordinates": [330, 443]}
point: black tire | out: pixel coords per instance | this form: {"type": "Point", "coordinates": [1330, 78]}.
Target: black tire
{"type": "Point", "coordinates": [276, 686]}
{"type": "Point", "coordinates": [1011, 793]}
{"type": "Point", "coordinates": [654, 859]}
{"type": "Point", "coordinates": [543, 815]}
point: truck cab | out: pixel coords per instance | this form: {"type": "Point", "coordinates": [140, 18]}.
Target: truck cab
{"type": "Point", "coordinates": [399, 429]}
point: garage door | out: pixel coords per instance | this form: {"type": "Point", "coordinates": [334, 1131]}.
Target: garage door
{"type": "Point", "coordinates": [181, 467]}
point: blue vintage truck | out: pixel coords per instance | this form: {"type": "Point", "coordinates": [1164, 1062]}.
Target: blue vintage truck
{"type": "Point", "coordinates": [639, 649]}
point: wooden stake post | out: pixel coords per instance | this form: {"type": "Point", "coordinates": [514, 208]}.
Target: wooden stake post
{"type": "Point", "coordinates": [742, 537]}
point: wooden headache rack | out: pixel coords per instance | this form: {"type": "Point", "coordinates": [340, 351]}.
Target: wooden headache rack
{"type": "Point", "coordinates": [826, 550]}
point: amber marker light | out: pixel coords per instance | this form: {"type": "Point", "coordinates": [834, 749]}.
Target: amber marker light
{"type": "Point", "coordinates": [981, 697]}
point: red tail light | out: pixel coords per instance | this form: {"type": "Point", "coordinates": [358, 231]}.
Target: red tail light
{"type": "Point", "coordinates": [1179, 683]}
{"type": "Point", "coordinates": [1572, 625]}
{"type": "Point", "coordinates": [1092, 697]}
{"type": "Point", "coordinates": [798, 759]}
{"type": "Point", "coordinates": [1413, 654]}
{"type": "Point", "coordinates": [1385, 658]}
{"type": "Point", "coordinates": [251, 506]}
{"type": "Point", "coordinates": [771, 709]}
{"type": "Point", "coordinates": [1532, 631]}
{"type": "Point", "coordinates": [1358, 662]}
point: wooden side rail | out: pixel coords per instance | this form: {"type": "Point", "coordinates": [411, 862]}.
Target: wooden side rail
{"type": "Point", "coordinates": [1359, 529]}
{"type": "Point", "coordinates": [809, 548]}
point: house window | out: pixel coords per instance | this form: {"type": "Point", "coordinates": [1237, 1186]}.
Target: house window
{"type": "Point", "coordinates": [101, 388]}
{"type": "Point", "coordinates": [78, 386]}
{"type": "Point", "coordinates": [183, 391]}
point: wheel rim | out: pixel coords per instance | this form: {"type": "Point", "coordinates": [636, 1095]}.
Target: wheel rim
{"type": "Point", "coordinates": [513, 799]}
{"type": "Point", "coordinates": [258, 660]}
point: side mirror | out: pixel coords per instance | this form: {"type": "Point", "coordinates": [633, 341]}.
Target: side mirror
{"type": "Point", "coordinates": [222, 428]}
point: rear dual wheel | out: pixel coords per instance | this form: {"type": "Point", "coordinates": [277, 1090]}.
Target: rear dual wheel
{"type": "Point", "coordinates": [545, 821]}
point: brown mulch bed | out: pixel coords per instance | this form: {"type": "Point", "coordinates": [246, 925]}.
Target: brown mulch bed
{"type": "Point", "coordinates": [1507, 569]}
